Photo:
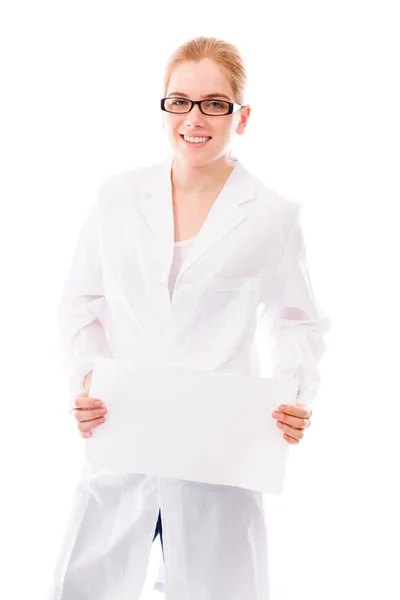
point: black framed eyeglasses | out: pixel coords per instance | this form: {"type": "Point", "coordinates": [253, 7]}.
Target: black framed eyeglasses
{"type": "Point", "coordinates": [211, 107]}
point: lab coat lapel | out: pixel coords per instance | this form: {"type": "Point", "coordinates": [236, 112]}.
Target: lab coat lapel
{"type": "Point", "coordinates": [225, 215]}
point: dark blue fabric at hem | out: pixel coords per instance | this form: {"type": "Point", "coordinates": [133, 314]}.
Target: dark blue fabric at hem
{"type": "Point", "coordinates": [159, 531]}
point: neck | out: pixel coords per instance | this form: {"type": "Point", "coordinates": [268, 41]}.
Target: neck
{"type": "Point", "coordinates": [200, 179]}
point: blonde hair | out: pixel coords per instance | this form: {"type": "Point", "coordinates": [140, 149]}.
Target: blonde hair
{"type": "Point", "coordinates": [225, 54]}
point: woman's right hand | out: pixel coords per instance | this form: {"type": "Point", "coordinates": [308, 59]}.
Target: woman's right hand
{"type": "Point", "coordinates": [87, 413]}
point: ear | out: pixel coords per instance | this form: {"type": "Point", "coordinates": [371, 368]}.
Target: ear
{"type": "Point", "coordinates": [244, 117]}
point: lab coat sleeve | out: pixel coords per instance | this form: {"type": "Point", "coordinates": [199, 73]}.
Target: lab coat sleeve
{"type": "Point", "coordinates": [83, 311]}
{"type": "Point", "coordinates": [297, 323]}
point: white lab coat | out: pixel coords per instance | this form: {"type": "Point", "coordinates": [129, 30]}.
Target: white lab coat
{"type": "Point", "coordinates": [246, 269]}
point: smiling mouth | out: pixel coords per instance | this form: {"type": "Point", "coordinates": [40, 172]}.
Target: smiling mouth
{"type": "Point", "coordinates": [197, 136]}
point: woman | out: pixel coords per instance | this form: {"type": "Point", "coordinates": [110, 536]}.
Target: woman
{"type": "Point", "coordinates": [172, 264]}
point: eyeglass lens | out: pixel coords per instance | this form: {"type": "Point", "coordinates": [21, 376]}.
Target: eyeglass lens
{"type": "Point", "coordinates": [210, 107]}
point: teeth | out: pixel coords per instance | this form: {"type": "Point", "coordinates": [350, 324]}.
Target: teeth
{"type": "Point", "coordinates": [196, 139]}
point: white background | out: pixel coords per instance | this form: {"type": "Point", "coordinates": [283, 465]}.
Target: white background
{"type": "Point", "coordinates": [80, 89]}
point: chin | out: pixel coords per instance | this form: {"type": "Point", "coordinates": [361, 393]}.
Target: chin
{"type": "Point", "coordinates": [192, 156]}
{"type": "Point", "coordinates": [188, 158]}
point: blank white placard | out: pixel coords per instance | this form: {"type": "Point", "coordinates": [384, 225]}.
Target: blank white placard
{"type": "Point", "coordinates": [205, 426]}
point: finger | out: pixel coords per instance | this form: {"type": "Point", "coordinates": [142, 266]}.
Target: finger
{"type": "Point", "coordinates": [295, 422]}
{"type": "Point", "coordinates": [83, 401]}
{"type": "Point", "coordinates": [307, 407]}
{"type": "Point", "coordinates": [302, 411]}
{"type": "Point", "coordinates": [297, 434]}
{"type": "Point", "coordinates": [290, 440]}
{"type": "Point", "coordinates": [82, 414]}
{"type": "Point", "coordinates": [85, 425]}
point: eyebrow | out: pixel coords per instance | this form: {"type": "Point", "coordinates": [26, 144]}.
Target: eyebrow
{"type": "Point", "coordinates": [216, 95]}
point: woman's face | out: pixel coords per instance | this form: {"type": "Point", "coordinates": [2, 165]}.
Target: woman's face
{"type": "Point", "coordinates": [196, 80]}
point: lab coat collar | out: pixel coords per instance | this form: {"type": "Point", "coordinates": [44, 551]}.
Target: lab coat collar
{"type": "Point", "coordinates": [225, 215]}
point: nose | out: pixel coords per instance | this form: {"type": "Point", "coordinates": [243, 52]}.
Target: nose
{"type": "Point", "coordinates": [195, 116]}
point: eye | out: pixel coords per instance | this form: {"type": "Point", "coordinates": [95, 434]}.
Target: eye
{"type": "Point", "coordinates": [215, 104]}
{"type": "Point", "coordinates": [176, 101]}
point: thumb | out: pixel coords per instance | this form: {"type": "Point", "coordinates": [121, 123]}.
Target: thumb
{"type": "Point", "coordinates": [87, 380]}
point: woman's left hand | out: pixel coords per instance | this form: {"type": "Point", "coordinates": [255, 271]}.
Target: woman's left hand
{"type": "Point", "coordinates": [292, 420]}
